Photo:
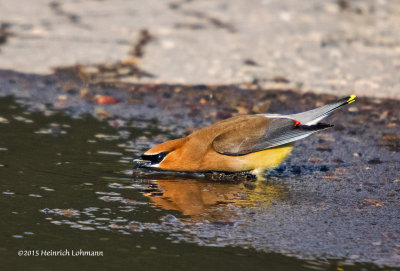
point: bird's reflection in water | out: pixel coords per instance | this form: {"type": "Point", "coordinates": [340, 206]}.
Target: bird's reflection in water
{"type": "Point", "coordinates": [208, 200]}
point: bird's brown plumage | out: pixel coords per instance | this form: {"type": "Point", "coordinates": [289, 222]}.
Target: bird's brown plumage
{"type": "Point", "coordinates": [223, 146]}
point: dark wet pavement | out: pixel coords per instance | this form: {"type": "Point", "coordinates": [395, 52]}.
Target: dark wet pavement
{"type": "Point", "coordinates": [66, 180]}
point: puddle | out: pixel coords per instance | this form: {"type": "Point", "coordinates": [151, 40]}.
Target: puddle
{"type": "Point", "coordinates": [66, 183]}
{"type": "Point", "coordinates": [70, 178]}
{"type": "Point", "coordinates": [63, 186]}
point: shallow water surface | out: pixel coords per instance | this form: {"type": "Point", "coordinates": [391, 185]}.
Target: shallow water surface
{"type": "Point", "coordinates": [65, 184]}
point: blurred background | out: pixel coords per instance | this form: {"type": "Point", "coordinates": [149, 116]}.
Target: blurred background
{"type": "Point", "coordinates": [332, 46]}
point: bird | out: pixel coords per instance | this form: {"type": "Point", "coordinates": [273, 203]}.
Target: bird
{"type": "Point", "coordinates": [250, 143]}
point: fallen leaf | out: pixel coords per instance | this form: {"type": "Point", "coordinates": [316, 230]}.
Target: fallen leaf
{"type": "Point", "coordinates": [106, 100]}
{"type": "Point", "coordinates": [314, 159]}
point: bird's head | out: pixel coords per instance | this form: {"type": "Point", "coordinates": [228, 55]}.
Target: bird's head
{"type": "Point", "coordinates": [156, 155]}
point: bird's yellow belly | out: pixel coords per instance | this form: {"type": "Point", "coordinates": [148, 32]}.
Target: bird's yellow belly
{"type": "Point", "coordinates": [260, 160]}
{"type": "Point", "coordinates": [267, 159]}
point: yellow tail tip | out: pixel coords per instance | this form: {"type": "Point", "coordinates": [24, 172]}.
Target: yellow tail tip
{"type": "Point", "coordinates": [352, 98]}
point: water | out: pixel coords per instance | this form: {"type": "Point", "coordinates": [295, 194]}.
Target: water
{"type": "Point", "coordinates": [65, 184]}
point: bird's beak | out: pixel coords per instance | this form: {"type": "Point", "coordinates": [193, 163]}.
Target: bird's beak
{"type": "Point", "coordinates": [141, 163]}
{"type": "Point", "coordinates": [149, 160]}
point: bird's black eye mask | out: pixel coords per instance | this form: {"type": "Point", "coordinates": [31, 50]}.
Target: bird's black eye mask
{"type": "Point", "coordinates": [154, 158]}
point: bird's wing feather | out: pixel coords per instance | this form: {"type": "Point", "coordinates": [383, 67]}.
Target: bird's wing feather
{"type": "Point", "coordinates": [276, 132]}
{"type": "Point", "coordinates": [314, 116]}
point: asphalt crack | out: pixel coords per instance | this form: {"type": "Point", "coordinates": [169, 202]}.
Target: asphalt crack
{"type": "Point", "coordinates": [105, 73]}
{"type": "Point", "coordinates": [5, 33]}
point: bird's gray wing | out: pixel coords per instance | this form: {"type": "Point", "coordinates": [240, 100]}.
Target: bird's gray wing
{"type": "Point", "coordinates": [275, 132]}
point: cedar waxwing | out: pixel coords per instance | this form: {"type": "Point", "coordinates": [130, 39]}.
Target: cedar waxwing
{"type": "Point", "coordinates": [246, 143]}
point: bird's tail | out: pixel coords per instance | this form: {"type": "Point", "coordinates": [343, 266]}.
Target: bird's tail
{"type": "Point", "coordinates": [313, 116]}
